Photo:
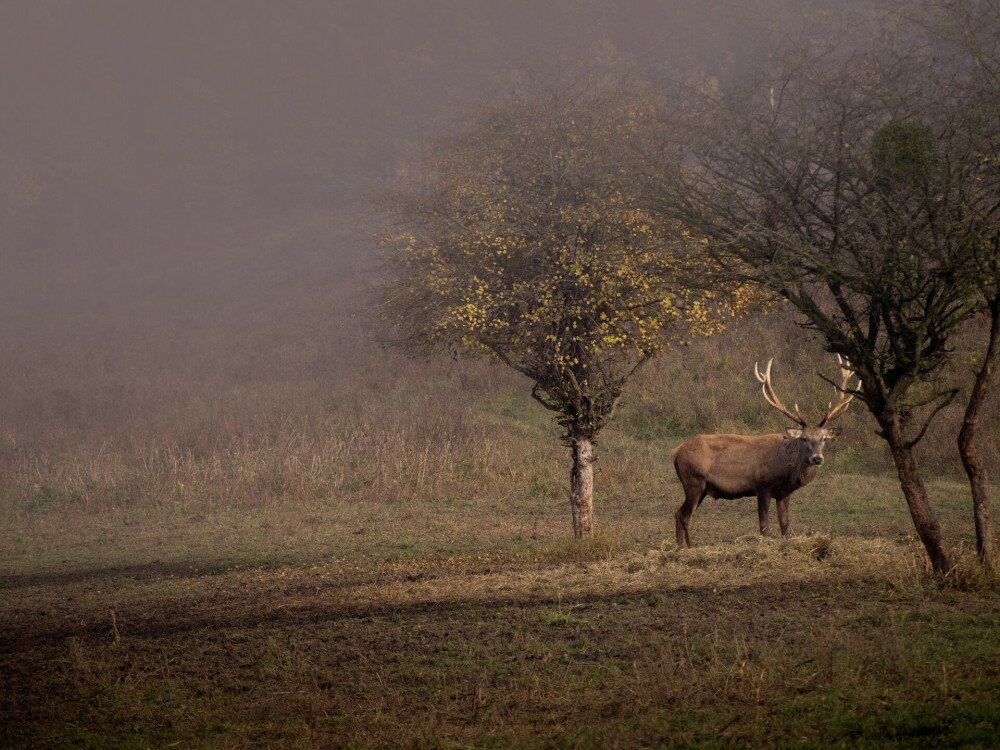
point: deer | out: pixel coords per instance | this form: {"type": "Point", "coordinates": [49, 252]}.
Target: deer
{"type": "Point", "coordinates": [766, 466]}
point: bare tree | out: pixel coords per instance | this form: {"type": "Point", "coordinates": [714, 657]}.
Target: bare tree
{"type": "Point", "coordinates": [967, 35]}
{"type": "Point", "coordinates": [521, 236]}
{"type": "Point", "coordinates": [839, 185]}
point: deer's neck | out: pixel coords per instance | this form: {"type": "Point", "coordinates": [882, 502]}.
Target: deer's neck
{"type": "Point", "coordinates": [807, 473]}
{"type": "Point", "coordinates": [801, 471]}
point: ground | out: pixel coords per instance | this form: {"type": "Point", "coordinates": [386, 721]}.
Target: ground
{"type": "Point", "coordinates": [469, 625]}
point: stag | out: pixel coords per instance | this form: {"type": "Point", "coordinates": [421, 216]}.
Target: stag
{"type": "Point", "coordinates": [766, 466]}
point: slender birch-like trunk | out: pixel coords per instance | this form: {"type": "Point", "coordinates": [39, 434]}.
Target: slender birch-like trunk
{"type": "Point", "coordinates": [582, 486]}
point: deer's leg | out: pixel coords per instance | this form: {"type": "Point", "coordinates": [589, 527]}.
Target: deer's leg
{"type": "Point", "coordinates": [782, 505]}
{"type": "Point", "coordinates": [763, 511]}
{"type": "Point", "coordinates": [694, 493]}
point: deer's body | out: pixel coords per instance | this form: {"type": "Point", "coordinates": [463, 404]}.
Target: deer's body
{"type": "Point", "coordinates": [762, 466]}
{"type": "Point", "coordinates": [734, 466]}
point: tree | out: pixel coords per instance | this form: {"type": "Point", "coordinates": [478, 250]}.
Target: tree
{"type": "Point", "coordinates": [969, 30]}
{"type": "Point", "coordinates": [835, 186]}
{"type": "Point", "coordinates": [521, 236]}
{"type": "Point", "coordinates": [986, 258]}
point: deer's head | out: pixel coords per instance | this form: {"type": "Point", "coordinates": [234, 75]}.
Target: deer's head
{"type": "Point", "coordinates": [810, 439]}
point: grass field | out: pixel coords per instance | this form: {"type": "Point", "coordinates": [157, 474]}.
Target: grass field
{"type": "Point", "coordinates": [353, 624]}
{"type": "Point", "coordinates": [297, 539]}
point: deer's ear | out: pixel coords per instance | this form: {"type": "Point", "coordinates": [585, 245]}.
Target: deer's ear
{"type": "Point", "coordinates": [792, 433]}
{"type": "Point", "coordinates": [832, 433]}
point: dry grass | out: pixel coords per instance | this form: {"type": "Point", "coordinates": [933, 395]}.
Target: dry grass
{"type": "Point", "coordinates": [366, 425]}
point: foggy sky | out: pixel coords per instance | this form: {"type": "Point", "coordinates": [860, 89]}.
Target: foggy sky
{"type": "Point", "coordinates": [193, 163]}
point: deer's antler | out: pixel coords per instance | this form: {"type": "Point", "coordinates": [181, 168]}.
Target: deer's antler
{"type": "Point", "coordinates": [834, 410]}
{"type": "Point", "coordinates": [772, 398]}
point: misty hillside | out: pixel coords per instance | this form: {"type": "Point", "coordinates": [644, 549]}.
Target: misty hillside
{"type": "Point", "coordinates": [185, 192]}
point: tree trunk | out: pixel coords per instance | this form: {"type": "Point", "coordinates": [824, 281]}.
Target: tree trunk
{"type": "Point", "coordinates": [582, 486]}
{"type": "Point", "coordinates": [923, 516]}
{"type": "Point", "coordinates": [982, 507]}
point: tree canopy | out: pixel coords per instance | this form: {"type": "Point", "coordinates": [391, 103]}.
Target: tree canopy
{"type": "Point", "coordinates": [523, 235]}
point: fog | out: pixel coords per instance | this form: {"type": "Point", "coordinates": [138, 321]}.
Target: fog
{"type": "Point", "coordinates": [176, 170]}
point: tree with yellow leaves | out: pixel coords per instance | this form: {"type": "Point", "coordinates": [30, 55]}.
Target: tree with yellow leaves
{"type": "Point", "coordinates": [521, 235]}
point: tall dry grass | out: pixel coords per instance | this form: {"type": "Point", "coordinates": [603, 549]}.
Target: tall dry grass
{"type": "Point", "coordinates": [223, 428]}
